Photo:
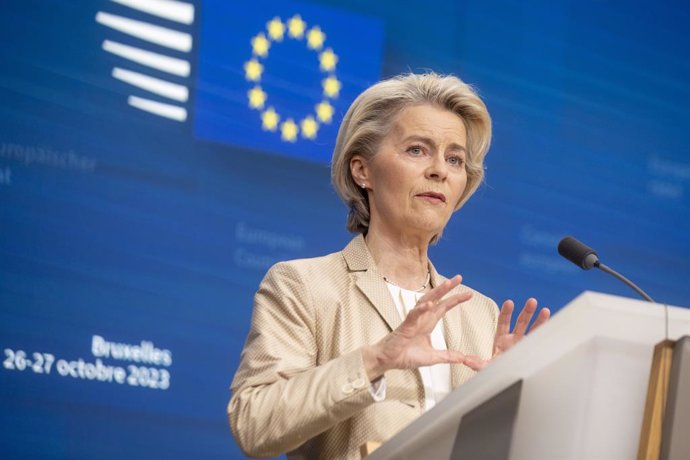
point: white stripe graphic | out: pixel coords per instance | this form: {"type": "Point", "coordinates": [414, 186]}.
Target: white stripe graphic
{"type": "Point", "coordinates": [167, 9]}
{"type": "Point", "coordinates": [159, 35]}
{"type": "Point", "coordinates": [158, 108]}
{"type": "Point", "coordinates": [155, 60]}
{"type": "Point", "coordinates": [154, 85]}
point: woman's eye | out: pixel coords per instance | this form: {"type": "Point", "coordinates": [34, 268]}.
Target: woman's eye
{"type": "Point", "coordinates": [455, 160]}
{"type": "Point", "coordinates": [415, 150]}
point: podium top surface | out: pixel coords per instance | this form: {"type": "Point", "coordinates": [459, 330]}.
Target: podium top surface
{"type": "Point", "coordinates": [592, 316]}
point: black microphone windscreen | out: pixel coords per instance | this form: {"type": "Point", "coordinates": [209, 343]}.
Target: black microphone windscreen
{"type": "Point", "coordinates": [578, 253]}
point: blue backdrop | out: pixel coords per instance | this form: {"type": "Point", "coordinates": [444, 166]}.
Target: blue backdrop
{"type": "Point", "coordinates": [154, 164]}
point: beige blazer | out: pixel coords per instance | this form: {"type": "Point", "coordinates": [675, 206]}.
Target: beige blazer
{"type": "Point", "coordinates": [301, 386]}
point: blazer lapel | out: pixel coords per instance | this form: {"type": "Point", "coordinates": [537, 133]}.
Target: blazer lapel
{"type": "Point", "coordinates": [452, 326]}
{"type": "Point", "coordinates": [370, 281]}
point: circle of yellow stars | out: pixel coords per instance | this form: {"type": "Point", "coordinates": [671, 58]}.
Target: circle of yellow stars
{"type": "Point", "coordinates": [296, 29]}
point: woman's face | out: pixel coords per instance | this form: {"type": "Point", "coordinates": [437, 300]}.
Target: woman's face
{"type": "Point", "coordinates": [418, 174]}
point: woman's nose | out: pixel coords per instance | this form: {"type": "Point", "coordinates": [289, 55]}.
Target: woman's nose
{"type": "Point", "coordinates": [438, 168]}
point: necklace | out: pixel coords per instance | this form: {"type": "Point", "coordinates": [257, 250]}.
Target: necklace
{"type": "Point", "coordinates": [426, 283]}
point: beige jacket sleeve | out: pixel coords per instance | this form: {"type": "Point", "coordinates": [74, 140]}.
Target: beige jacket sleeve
{"type": "Point", "coordinates": [280, 397]}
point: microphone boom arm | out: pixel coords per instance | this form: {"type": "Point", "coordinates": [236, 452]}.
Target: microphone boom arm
{"type": "Point", "coordinates": [632, 285]}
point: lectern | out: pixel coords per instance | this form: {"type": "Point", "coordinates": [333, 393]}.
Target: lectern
{"type": "Point", "coordinates": [573, 389]}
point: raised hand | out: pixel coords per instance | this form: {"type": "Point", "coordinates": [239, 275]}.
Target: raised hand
{"type": "Point", "coordinates": [409, 346]}
{"type": "Point", "coordinates": [504, 338]}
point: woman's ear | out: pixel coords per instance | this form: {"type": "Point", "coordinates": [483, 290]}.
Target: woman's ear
{"type": "Point", "coordinates": [359, 168]}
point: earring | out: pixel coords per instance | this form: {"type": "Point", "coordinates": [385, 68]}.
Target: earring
{"type": "Point", "coordinates": [364, 185]}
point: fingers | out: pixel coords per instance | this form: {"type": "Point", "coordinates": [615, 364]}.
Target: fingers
{"type": "Point", "coordinates": [525, 317]}
{"type": "Point", "coordinates": [447, 357]}
{"type": "Point", "coordinates": [475, 362]}
{"type": "Point", "coordinates": [433, 300]}
{"type": "Point", "coordinates": [503, 326]}
{"type": "Point", "coordinates": [418, 312]}
{"type": "Point", "coordinates": [426, 314]}
{"type": "Point", "coordinates": [444, 288]}
{"type": "Point", "coordinates": [435, 296]}
{"type": "Point", "coordinates": [542, 317]}
{"type": "Point", "coordinates": [523, 320]}
{"type": "Point", "coordinates": [448, 304]}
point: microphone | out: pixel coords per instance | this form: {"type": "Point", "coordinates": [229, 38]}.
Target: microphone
{"type": "Point", "coordinates": [586, 258]}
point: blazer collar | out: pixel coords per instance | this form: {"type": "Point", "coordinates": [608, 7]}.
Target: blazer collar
{"type": "Point", "coordinates": [358, 259]}
{"type": "Point", "coordinates": [357, 255]}
{"type": "Point", "coordinates": [370, 281]}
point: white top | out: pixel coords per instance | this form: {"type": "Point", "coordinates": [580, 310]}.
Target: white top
{"type": "Point", "coordinates": [436, 378]}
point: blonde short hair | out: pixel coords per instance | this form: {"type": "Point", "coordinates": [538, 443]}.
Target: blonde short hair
{"type": "Point", "coordinates": [370, 118]}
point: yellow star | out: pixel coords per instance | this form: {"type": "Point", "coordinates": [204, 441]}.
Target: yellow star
{"type": "Point", "coordinates": [289, 130]}
{"type": "Point", "coordinates": [276, 29]}
{"type": "Point", "coordinates": [257, 97]}
{"type": "Point", "coordinates": [296, 27]}
{"type": "Point", "coordinates": [328, 60]}
{"type": "Point", "coordinates": [324, 112]}
{"type": "Point", "coordinates": [260, 45]}
{"type": "Point", "coordinates": [309, 127]}
{"type": "Point", "coordinates": [253, 69]}
{"type": "Point", "coordinates": [269, 119]}
{"type": "Point", "coordinates": [315, 38]}
{"type": "Point", "coordinates": [331, 86]}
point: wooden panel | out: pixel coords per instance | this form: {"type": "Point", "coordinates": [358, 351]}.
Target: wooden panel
{"type": "Point", "coordinates": [657, 393]}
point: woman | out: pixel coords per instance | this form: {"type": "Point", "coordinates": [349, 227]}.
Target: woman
{"type": "Point", "coordinates": [351, 347]}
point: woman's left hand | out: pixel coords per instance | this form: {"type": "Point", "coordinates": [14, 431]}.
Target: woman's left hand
{"type": "Point", "coordinates": [504, 339]}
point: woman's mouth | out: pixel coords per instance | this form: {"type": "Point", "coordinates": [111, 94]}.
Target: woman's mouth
{"type": "Point", "coordinates": [433, 197]}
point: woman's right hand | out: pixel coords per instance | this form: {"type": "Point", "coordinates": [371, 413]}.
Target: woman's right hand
{"type": "Point", "coordinates": [409, 346]}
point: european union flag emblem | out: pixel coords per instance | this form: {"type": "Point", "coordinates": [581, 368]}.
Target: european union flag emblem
{"type": "Point", "coordinates": [279, 76]}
